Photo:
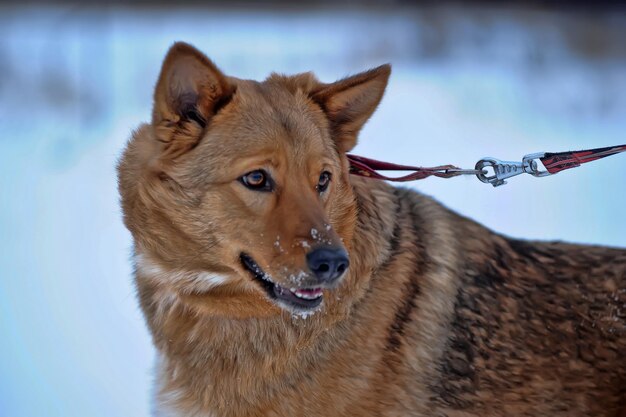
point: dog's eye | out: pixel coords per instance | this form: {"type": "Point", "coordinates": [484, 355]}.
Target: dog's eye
{"type": "Point", "coordinates": [323, 182]}
{"type": "Point", "coordinates": [258, 180]}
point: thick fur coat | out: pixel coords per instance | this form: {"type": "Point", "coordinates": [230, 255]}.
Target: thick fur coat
{"type": "Point", "coordinates": [435, 316]}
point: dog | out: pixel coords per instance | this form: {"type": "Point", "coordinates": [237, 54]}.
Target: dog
{"type": "Point", "coordinates": [274, 283]}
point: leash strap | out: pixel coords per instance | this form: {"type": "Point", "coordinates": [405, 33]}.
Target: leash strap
{"type": "Point", "coordinates": [557, 162]}
{"type": "Point", "coordinates": [488, 170]}
{"type": "Point", "coordinates": [366, 167]}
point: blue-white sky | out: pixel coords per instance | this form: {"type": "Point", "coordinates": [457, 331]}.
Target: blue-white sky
{"type": "Point", "coordinates": [465, 84]}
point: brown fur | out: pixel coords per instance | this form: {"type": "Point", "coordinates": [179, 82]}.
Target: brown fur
{"type": "Point", "coordinates": [437, 316]}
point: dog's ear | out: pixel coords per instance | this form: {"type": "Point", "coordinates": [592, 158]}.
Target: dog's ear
{"type": "Point", "coordinates": [190, 90]}
{"type": "Point", "coordinates": [348, 103]}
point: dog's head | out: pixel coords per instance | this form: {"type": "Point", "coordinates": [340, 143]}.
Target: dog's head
{"type": "Point", "coordinates": [238, 190]}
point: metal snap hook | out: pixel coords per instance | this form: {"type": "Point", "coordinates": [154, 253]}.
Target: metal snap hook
{"type": "Point", "coordinates": [531, 167]}
{"type": "Point", "coordinates": [501, 170]}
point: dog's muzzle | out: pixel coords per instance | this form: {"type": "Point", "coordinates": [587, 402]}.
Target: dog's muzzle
{"type": "Point", "coordinates": [327, 266]}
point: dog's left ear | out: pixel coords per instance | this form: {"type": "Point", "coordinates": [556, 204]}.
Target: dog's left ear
{"type": "Point", "coordinates": [350, 102]}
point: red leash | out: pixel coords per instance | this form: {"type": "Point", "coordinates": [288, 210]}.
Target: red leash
{"type": "Point", "coordinates": [366, 167]}
{"type": "Point", "coordinates": [556, 162]}
{"type": "Point", "coordinates": [500, 170]}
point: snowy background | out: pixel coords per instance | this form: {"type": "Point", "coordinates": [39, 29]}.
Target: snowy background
{"type": "Point", "coordinates": [466, 83]}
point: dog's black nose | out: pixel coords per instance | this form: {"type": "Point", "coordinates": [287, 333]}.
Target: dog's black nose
{"type": "Point", "coordinates": [327, 264]}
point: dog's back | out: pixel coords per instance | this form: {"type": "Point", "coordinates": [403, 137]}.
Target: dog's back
{"type": "Point", "coordinates": [538, 329]}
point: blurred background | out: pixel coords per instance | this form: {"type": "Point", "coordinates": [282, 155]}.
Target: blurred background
{"type": "Point", "coordinates": [469, 80]}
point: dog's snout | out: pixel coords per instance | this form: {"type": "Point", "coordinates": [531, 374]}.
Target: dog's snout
{"type": "Point", "coordinates": [328, 264]}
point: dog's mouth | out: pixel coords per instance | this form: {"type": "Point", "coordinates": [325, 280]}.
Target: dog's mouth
{"type": "Point", "coordinates": [299, 299]}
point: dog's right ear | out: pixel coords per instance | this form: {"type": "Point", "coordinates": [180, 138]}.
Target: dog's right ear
{"type": "Point", "coordinates": [190, 90]}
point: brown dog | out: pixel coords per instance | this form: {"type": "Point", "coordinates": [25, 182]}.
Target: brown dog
{"type": "Point", "coordinates": [275, 284]}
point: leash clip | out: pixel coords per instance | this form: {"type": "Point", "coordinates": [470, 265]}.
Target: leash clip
{"type": "Point", "coordinates": [503, 170]}
{"type": "Point", "coordinates": [531, 167]}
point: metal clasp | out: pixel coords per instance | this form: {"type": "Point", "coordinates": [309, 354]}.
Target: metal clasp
{"type": "Point", "coordinates": [531, 167]}
{"type": "Point", "coordinates": [503, 170]}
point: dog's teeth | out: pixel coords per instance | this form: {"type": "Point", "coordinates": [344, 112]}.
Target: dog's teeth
{"type": "Point", "coordinates": [306, 295]}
